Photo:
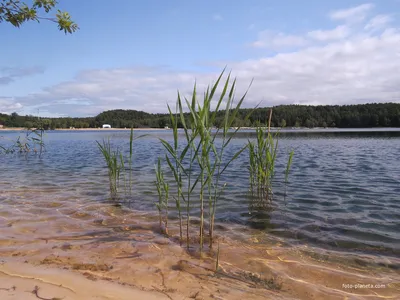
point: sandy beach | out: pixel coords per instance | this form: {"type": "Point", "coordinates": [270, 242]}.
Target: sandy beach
{"type": "Point", "coordinates": [23, 281]}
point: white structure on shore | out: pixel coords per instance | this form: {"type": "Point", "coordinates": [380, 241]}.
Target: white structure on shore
{"type": "Point", "coordinates": [106, 126]}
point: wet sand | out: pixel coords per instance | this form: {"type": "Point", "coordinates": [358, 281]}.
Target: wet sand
{"type": "Point", "coordinates": [72, 249]}
{"type": "Point", "coordinates": [23, 281]}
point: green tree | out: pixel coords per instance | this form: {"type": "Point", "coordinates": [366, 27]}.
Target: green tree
{"type": "Point", "coordinates": [29, 124]}
{"type": "Point", "coordinates": [162, 122]}
{"type": "Point", "coordinates": [45, 124]}
{"type": "Point", "coordinates": [16, 13]}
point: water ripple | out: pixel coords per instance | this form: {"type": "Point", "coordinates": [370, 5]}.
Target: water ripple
{"type": "Point", "coordinates": [343, 190]}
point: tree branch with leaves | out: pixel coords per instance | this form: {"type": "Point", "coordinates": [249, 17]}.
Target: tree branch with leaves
{"type": "Point", "coordinates": [16, 13]}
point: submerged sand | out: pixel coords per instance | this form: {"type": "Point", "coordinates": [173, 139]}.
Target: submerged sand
{"type": "Point", "coordinates": [77, 250]}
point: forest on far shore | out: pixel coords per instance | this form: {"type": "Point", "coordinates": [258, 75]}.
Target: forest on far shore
{"type": "Point", "coordinates": [341, 116]}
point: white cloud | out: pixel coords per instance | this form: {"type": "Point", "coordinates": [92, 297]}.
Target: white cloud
{"type": "Point", "coordinates": [351, 71]}
{"type": "Point", "coordinates": [378, 22]}
{"type": "Point", "coordinates": [277, 41]}
{"type": "Point", "coordinates": [354, 14]}
{"type": "Point", "coordinates": [340, 32]}
{"type": "Point", "coordinates": [217, 17]}
{"type": "Point", "coordinates": [8, 105]}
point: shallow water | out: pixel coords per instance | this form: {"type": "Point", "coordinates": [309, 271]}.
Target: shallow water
{"type": "Point", "coordinates": [337, 225]}
{"type": "Point", "coordinates": [343, 190]}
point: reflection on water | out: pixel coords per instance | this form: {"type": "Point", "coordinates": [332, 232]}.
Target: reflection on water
{"type": "Point", "coordinates": [342, 192]}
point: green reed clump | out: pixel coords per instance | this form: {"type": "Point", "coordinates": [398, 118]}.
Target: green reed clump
{"type": "Point", "coordinates": [36, 136]}
{"type": "Point", "coordinates": [199, 150]}
{"type": "Point", "coordinates": [163, 196]}
{"type": "Point", "coordinates": [33, 141]}
{"type": "Point", "coordinates": [262, 158]}
{"type": "Point", "coordinates": [115, 163]}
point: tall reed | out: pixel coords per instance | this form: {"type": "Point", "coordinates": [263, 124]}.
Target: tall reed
{"type": "Point", "coordinates": [288, 166]}
{"type": "Point", "coordinates": [130, 158]}
{"type": "Point", "coordinates": [175, 166]}
{"type": "Point", "coordinates": [200, 150]}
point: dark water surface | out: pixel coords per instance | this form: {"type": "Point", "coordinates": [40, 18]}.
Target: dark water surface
{"type": "Point", "coordinates": [343, 191]}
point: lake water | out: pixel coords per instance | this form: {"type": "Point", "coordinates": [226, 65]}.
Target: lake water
{"type": "Point", "coordinates": [343, 192]}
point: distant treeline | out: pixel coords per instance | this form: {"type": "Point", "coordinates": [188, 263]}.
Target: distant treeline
{"type": "Point", "coordinates": [346, 116]}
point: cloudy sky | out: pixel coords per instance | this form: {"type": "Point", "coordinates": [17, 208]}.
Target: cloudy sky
{"type": "Point", "coordinates": [137, 54]}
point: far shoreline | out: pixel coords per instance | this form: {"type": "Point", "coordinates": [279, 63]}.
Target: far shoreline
{"type": "Point", "coordinates": [80, 129]}
{"type": "Point", "coordinates": [285, 129]}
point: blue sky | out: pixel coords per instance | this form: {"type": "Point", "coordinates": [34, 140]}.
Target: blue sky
{"type": "Point", "coordinates": [135, 55]}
